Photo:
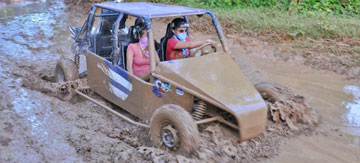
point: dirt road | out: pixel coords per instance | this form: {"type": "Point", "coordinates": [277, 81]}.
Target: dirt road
{"type": "Point", "coordinates": [36, 127]}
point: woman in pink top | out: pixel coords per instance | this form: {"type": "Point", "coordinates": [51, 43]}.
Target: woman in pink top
{"type": "Point", "coordinates": [138, 61]}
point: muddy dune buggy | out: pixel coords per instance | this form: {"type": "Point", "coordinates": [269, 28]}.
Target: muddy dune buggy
{"type": "Point", "coordinates": [181, 94]}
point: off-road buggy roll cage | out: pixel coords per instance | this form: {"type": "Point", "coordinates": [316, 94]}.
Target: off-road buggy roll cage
{"type": "Point", "coordinates": [83, 37]}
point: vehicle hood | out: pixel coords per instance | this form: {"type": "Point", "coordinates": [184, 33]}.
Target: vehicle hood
{"type": "Point", "coordinates": [216, 76]}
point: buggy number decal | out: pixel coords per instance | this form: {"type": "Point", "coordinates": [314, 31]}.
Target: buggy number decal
{"type": "Point", "coordinates": [119, 83]}
{"type": "Point", "coordinates": [161, 87]}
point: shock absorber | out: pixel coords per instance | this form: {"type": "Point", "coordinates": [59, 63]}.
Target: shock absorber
{"type": "Point", "coordinates": [77, 60]}
{"type": "Point", "coordinates": [200, 110]}
{"type": "Point", "coordinates": [75, 49]}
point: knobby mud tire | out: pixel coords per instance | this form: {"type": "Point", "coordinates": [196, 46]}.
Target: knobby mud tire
{"type": "Point", "coordinates": [66, 70]}
{"type": "Point", "coordinates": [187, 130]}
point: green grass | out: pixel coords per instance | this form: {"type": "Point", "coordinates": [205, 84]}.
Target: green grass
{"type": "Point", "coordinates": [314, 25]}
{"type": "Point", "coordinates": [307, 23]}
{"type": "Point", "coordinates": [357, 50]}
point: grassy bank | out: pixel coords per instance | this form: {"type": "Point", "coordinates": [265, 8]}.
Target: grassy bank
{"type": "Point", "coordinates": [314, 25]}
{"type": "Point", "coordinates": [304, 21]}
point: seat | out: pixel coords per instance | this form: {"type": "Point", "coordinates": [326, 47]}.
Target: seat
{"type": "Point", "coordinates": [103, 43]}
{"type": "Point", "coordinates": [163, 43]}
{"type": "Point", "coordinates": [124, 45]}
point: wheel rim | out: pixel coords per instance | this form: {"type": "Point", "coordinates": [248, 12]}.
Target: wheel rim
{"type": "Point", "coordinates": [169, 136]}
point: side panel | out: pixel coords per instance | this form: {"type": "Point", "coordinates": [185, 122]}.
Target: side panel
{"type": "Point", "coordinates": [251, 124]}
{"type": "Point", "coordinates": [218, 77]}
{"type": "Point", "coordinates": [129, 92]}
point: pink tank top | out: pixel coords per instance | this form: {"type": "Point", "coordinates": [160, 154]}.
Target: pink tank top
{"type": "Point", "coordinates": [140, 65]}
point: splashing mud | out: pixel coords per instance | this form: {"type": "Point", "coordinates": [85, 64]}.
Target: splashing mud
{"type": "Point", "coordinates": [324, 91]}
{"type": "Point", "coordinates": [288, 107]}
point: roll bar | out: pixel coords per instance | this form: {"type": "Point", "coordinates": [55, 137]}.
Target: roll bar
{"type": "Point", "coordinates": [148, 24]}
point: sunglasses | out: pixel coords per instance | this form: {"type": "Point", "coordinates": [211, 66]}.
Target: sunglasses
{"type": "Point", "coordinates": [182, 30]}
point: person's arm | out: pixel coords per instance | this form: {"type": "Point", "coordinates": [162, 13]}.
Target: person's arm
{"type": "Point", "coordinates": [192, 44]}
{"type": "Point", "coordinates": [129, 60]}
{"type": "Point", "coordinates": [196, 50]}
{"type": "Point", "coordinates": [189, 44]}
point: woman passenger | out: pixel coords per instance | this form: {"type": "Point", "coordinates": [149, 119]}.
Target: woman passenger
{"type": "Point", "coordinates": [138, 59]}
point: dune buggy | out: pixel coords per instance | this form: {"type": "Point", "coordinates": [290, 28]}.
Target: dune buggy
{"type": "Point", "coordinates": [181, 94]}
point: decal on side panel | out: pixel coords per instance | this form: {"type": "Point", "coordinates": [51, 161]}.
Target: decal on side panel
{"type": "Point", "coordinates": [119, 82]}
{"type": "Point", "coordinates": [179, 91]}
{"type": "Point", "coordinates": [161, 87]}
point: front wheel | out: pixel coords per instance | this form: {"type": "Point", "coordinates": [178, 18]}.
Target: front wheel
{"type": "Point", "coordinates": [66, 70]}
{"type": "Point", "coordinates": [173, 127]}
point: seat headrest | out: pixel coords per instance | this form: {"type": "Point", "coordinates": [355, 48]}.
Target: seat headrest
{"type": "Point", "coordinates": [108, 21]}
{"type": "Point", "coordinates": [105, 27]}
{"type": "Point", "coordinates": [132, 35]}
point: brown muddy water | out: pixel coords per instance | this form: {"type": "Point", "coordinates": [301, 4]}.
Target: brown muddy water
{"type": "Point", "coordinates": [36, 127]}
{"type": "Point", "coordinates": [335, 99]}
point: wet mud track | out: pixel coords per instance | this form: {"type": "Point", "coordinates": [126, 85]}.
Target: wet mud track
{"type": "Point", "coordinates": [36, 126]}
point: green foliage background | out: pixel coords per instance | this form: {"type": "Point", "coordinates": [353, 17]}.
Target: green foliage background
{"type": "Point", "coordinates": [295, 18]}
{"type": "Point", "coordinates": [339, 7]}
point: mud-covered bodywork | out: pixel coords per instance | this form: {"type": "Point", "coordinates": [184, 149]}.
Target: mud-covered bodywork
{"type": "Point", "coordinates": [128, 91]}
{"type": "Point", "coordinates": [191, 83]}
{"type": "Point", "coordinates": [217, 77]}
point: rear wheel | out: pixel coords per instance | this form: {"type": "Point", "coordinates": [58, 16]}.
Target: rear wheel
{"type": "Point", "coordinates": [174, 128]}
{"type": "Point", "coordinates": [66, 70]}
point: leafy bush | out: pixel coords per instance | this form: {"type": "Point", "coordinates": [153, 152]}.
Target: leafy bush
{"type": "Point", "coordinates": [310, 18]}
{"type": "Point", "coordinates": [340, 7]}
{"type": "Point", "coordinates": [348, 7]}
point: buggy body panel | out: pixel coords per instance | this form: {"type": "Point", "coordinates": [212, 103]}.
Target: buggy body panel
{"type": "Point", "coordinates": [218, 77]}
{"type": "Point", "coordinates": [128, 91]}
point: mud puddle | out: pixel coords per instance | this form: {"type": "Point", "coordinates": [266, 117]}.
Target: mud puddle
{"type": "Point", "coordinates": [31, 130]}
{"type": "Point", "coordinates": [334, 98]}
{"type": "Point", "coordinates": [353, 107]}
